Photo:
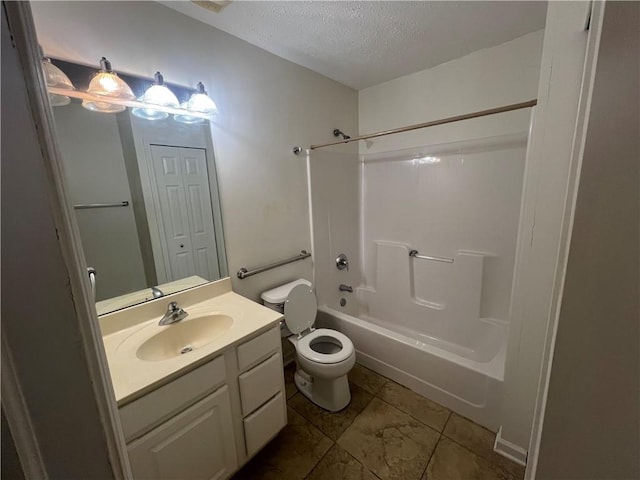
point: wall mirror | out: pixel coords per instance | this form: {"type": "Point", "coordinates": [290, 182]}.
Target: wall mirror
{"type": "Point", "coordinates": [145, 195]}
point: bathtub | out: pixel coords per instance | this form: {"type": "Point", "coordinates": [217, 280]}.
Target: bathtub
{"type": "Point", "coordinates": [467, 380]}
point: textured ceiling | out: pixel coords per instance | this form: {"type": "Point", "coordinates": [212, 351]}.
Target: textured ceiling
{"type": "Point", "coordinates": [364, 43]}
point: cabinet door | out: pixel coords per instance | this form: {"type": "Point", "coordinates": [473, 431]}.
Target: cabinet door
{"type": "Point", "coordinates": [196, 444]}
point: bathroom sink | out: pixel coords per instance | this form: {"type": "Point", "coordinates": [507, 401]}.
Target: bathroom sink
{"type": "Point", "coordinates": [183, 337]}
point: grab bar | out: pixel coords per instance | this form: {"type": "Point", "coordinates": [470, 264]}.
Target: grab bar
{"type": "Point", "coordinates": [244, 273]}
{"type": "Point", "coordinates": [415, 254]}
{"type": "Point", "coordinates": [84, 206]}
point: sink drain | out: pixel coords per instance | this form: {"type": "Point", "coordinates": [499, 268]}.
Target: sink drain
{"type": "Point", "coordinates": [186, 349]}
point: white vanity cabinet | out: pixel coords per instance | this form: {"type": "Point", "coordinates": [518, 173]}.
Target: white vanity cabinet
{"type": "Point", "coordinates": [207, 423]}
{"type": "Point", "coordinates": [192, 445]}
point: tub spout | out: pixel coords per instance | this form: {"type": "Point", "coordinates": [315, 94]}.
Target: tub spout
{"type": "Point", "coordinates": [345, 288]}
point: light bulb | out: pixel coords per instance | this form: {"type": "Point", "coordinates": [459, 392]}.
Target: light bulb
{"type": "Point", "coordinates": [106, 83]}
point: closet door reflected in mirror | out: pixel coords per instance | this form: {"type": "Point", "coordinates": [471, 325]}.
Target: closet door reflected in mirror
{"type": "Point", "coordinates": [147, 203]}
{"type": "Point", "coordinates": [185, 213]}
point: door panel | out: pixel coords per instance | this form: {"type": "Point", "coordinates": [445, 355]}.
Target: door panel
{"type": "Point", "coordinates": [196, 181]}
{"type": "Point", "coordinates": [196, 444]}
{"type": "Point", "coordinates": [185, 212]}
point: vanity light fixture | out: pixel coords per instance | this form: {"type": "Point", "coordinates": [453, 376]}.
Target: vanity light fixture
{"type": "Point", "coordinates": [56, 78]}
{"type": "Point", "coordinates": [156, 94]}
{"type": "Point", "coordinates": [201, 102]}
{"type": "Point", "coordinates": [106, 83]}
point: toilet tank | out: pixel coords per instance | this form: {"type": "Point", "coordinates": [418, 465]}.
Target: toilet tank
{"type": "Point", "coordinates": [275, 298]}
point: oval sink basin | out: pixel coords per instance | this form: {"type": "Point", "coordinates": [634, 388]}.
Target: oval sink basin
{"type": "Point", "coordinates": [183, 337]}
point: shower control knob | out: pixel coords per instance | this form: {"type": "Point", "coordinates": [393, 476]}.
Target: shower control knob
{"type": "Point", "coordinates": [342, 262]}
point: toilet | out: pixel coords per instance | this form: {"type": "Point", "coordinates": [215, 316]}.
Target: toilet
{"type": "Point", "coordinates": [324, 357]}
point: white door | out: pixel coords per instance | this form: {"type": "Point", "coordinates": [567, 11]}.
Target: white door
{"type": "Point", "coordinates": [185, 216]}
{"type": "Point", "coordinates": [197, 444]}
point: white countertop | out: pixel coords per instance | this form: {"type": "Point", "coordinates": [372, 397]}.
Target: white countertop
{"type": "Point", "coordinates": [125, 331]}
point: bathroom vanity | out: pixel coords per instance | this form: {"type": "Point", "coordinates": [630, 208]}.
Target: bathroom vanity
{"type": "Point", "coordinates": [200, 397]}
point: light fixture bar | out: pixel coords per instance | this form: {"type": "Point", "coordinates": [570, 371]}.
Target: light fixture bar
{"type": "Point", "coordinates": [128, 103]}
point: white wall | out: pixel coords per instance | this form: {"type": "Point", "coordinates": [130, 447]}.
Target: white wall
{"type": "Point", "coordinates": [488, 78]}
{"type": "Point", "coordinates": [94, 166]}
{"type": "Point", "coordinates": [591, 421]}
{"type": "Point", "coordinates": [267, 105]}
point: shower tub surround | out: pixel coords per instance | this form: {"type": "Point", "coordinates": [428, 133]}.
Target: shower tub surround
{"type": "Point", "coordinates": [438, 327]}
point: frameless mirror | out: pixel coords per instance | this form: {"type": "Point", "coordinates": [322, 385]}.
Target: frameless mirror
{"type": "Point", "coordinates": [145, 194]}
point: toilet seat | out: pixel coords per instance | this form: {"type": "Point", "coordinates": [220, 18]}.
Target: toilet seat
{"type": "Point", "coordinates": [300, 309]}
{"type": "Point", "coordinates": [304, 346]}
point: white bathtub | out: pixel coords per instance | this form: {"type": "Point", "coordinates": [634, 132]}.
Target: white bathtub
{"type": "Point", "coordinates": [466, 380]}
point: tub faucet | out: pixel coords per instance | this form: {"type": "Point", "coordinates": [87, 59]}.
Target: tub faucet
{"type": "Point", "coordinates": [345, 288]}
{"type": "Point", "coordinates": [174, 314]}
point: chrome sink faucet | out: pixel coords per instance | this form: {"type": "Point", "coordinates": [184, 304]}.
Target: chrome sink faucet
{"type": "Point", "coordinates": [174, 314]}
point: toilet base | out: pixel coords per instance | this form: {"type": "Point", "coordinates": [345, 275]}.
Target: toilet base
{"type": "Point", "coordinates": [331, 394]}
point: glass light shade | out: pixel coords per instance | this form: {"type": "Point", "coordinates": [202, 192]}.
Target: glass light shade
{"type": "Point", "coordinates": [201, 102]}
{"type": "Point", "coordinates": [149, 113]}
{"type": "Point", "coordinates": [59, 100]}
{"type": "Point", "coordinates": [186, 118]}
{"type": "Point", "coordinates": [160, 95]}
{"type": "Point", "coordinates": [108, 84]}
{"type": "Point", "coordinates": [55, 77]}
{"type": "Point", "coordinates": [103, 107]}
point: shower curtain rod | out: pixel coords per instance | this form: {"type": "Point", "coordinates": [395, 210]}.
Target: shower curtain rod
{"type": "Point", "coordinates": [433, 123]}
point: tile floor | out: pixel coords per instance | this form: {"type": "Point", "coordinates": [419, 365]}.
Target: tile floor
{"type": "Point", "coordinates": [387, 432]}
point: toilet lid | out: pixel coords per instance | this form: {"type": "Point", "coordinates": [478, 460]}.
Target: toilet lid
{"type": "Point", "coordinates": [300, 309]}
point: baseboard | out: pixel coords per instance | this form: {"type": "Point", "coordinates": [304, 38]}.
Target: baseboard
{"type": "Point", "coordinates": [509, 450]}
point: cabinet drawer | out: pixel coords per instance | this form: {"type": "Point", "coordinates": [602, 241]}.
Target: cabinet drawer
{"type": "Point", "coordinates": [261, 383]}
{"type": "Point", "coordinates": [197, 443]}
{"type": "Point", "coordinates": [143, 414]}
{"type": "Point", "coordinates": [251, 352]}
{"type": "Point", "coordinates": [263, 424]}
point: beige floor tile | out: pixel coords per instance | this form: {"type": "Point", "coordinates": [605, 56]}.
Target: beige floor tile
{"type": "Point", "coordinates": [480, 441]}
{"type": "Point", "coordinates": [390, 443]}
{"type": "Point", "coordinates": [289, 456]}
{"type": "Point", "coordinates": [337, 464]}
{"type": "Point", "coordinates": [450, 461]}
{"type": "Point", "coordinates": [332, 424]}
{"type": "Point", "coordinates": [367, 379]}
{"type": "Point", "coordinates": [427, 411]}
{"type": "Point", "coordinates": [290, 388]}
